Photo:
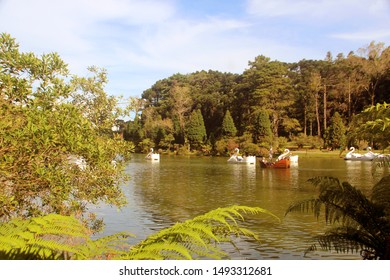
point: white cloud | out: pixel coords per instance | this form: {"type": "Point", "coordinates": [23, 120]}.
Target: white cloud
{"type": "Point", "coordinates": [68, 24]}
{"type": "Point", "coordinates": [367, 36]}
{"type": "Point", "coordinates": [142, 40]}
{"type": "Point", "coordinates": [320, 9]}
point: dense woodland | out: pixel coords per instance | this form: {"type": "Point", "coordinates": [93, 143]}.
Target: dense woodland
{"type": "Point", "coordinates": [272, 103]}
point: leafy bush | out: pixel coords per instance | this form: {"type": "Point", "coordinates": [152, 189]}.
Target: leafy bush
{"type": "Point", "coordinates": [312, 142]}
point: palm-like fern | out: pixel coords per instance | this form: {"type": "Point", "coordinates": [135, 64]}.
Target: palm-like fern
{"type": "Point", "coordinates": [197, 237]}
{"type": "Point", "coordinates": [361, 224]}
{"type": "Point", "coordinates": [48, 237]}
{"type": "Point", "coordinates": [62, 237]}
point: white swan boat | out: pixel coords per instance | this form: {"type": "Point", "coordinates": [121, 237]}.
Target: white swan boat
{"type": "Point", "coordinates": [351, 155]}
{"type": "Point", "coordinates": [152, 156]}
{"type": "Point", "coordinates": [287, 154]}
{"type": "Point", "coordinates": [235, 158]}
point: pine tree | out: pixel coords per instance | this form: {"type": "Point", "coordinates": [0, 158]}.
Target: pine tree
{"type": "Point", "coordinates": [196, 130]}
{"type": "Point", "coordinates": [262, 132]}
{"type": "Point", "coordinates": [228, 127]}
{"type": "Point", "coordinates": [335, 133]}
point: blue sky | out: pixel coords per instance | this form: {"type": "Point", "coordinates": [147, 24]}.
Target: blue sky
{"type": "Point", "coordinates": [142, 41]}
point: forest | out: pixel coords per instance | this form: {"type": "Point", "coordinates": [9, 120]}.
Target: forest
{"type": "Point", "coordinates": [309, 103]}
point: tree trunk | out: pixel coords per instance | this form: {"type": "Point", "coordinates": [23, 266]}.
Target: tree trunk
{"type": "Point", "coordinates": [305, 122]}
{"type": "Point", "coordinates": [318, 117]}
{"type": "Point", "coordinates": [325, 109]}
{"type": "Point", "coordinates": [311, 128]}
{"type": "Point", "coordinates": [275, 124]}
{"type": "Point", "coordinates": [349, 99]}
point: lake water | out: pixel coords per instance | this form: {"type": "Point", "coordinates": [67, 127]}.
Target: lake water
{"type": "Point", "coordinates": [180, 188]}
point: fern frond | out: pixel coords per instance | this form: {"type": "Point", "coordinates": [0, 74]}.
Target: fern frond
{"type": "Point", "coordinates": [363, 222]}
{"type": "Point", "coordinates": [40, 237]}
{"type": "Point", "coordinates": [108, 247]}
{"type": "Point", "coordinates": [61, 237]}
{"type": "Point", "coordinates": [342, 202]}
{"type": "Point", "coordinates": [305, 206]}
{"type": "Point", "coordinates": [381, 193]}
{"type": "Point", "coordinates": [169, 250]}
{"type": "Point", "coordinates": [198, 236]}
{"type": "Point", "coordinates": [346, 240]}
{"type": "Point", "coordinates": [381, 162]}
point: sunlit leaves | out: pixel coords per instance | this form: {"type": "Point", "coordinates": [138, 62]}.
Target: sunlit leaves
{"type": "Point", "coordinates": [64, 237]}
{"type": "Point", "coordinates": [42, 126]}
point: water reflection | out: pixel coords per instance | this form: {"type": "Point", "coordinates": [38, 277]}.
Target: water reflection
{"type": "Point", "coordinates": [179, 188]}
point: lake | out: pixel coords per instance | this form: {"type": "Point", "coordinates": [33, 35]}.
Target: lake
{"type": "Point", "coordinates": [179, 188]}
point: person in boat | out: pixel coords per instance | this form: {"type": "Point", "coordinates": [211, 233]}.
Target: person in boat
{"type": "Point", "coordinates": [266, 162]}
{"type": "Point", "coordinates": [271, 153]}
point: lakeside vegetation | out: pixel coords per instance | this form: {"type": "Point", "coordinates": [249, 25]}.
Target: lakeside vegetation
{"type": "Point", "coordinates": [310, 103]}
{"type": "Point", "coordinates": [60, 151]}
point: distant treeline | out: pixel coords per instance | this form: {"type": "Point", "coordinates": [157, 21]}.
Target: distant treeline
{"type": "Point", "coordinates": [270, 103]}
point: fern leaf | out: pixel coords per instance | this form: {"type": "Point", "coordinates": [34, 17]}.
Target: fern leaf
{"type": "Point", "coordinates": [200, 235]}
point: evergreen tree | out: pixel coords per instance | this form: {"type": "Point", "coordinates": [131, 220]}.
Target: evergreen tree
{"type": "Point", "coordinates": [228, 127]}
{"type": "Point", "coordinates": [196, 131]}
{"type": "Point", "coordinates": [262, 132]}
{"type": "Point", "coordinates": [335, 133]}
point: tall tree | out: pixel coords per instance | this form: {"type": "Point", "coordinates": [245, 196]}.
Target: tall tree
{"type": "Point", "coordinates": [181, 103]}
{"type": "Point", "coordinates": [228, 127]}
{"type": "Point", "coordinates": [335, 134]}
{"type": "Point", "coordinates": [196, 131]}
{"type": "Point", "coordinates": [53, 157]}
{"type": "Point", "coordinates": [374, 67]}
{"type": "Point", "coordinates": [315, 86]}
{"type": "Point", "coordinates": [97, 106]}
{"type": "Point", "coordinates": [262, 132]}
{"type": "Point", "coordinates": [271, 88]}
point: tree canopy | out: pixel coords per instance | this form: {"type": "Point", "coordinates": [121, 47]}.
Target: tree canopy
{"type": "Point", "coordinates": [58, 153]}
{"type": "Point", "coordinates": [300, 98]}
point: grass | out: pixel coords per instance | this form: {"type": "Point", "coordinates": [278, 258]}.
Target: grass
{"type": "Point", "coordinates": [314, 153]}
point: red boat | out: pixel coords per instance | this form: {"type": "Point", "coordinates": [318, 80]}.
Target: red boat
{"type": "Point", "coordinates": [281, 164]}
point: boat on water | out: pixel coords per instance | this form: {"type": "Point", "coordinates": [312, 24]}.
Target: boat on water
{"type": "Point", "coordinates": [236, 158]}
{"type": "Point", "coordinates": [351, 155]}
{"type": "Point", "coordinates": [152, 156]}
{"type": "Point", "coordinates": [280, 164]}
{"type": "Point", "coordinates": [283, 161]}
{"type": "Point", "coordinates": [294, 159]}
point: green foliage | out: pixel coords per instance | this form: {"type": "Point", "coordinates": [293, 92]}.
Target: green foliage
{"type": "Point", "coordinates": [225, 146]}
{"type": "Point", "coordinates": [262, 132]}
{"type": "Point", "coordinates": [270, 89]}
{"type": "Point", "coordinates": [373, 124]}
{"type": "Point", "coordinates": [228, 127]}
{"type": "Point", "coordinates": [63, 237]}
{"type": "Point", "coordinates": [196, 131]}
{"type": "Point", "coordinates": [359, 223]}
{"type": "Point", "coordinates": [198, 237]}
{"type": "Point", "coordinates": [97, 106]}
{"type": "Point", "coordinates": [313, 142]}
{"type": "Point", "coordinates": [48, 237]}
{"type": "Point", "coordinates": [335, 133]}
{"type": "Point", "coordinates": [46, 121]}
{"type": "Point", "coordinates": [299, 97]}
